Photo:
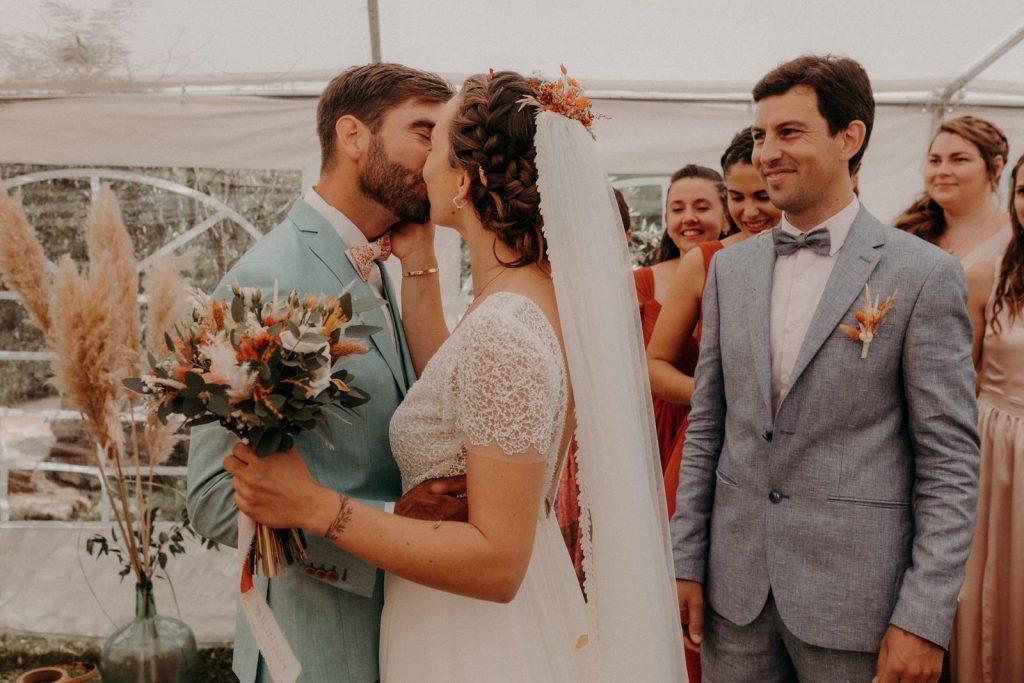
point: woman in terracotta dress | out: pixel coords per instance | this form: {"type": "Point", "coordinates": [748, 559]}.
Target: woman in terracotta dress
{"type": "Point", "coordinates": [670, 353]}
{"type": "Point", "coordinates": [694, 214]}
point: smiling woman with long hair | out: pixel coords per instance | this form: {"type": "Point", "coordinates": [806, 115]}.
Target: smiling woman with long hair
{"type": "Point", "coordinates": [695, 214]}
{"type": "Point", "coordinates": [959, 210]}
{"type": "Point", "coordinates": [989, 625]}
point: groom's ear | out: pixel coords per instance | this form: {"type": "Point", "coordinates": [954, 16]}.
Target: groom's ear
{"type": "Point", "coordinates": [353, 137]}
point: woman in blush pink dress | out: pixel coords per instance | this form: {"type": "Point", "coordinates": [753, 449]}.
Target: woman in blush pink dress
{"type": "Point", "coordinates": [989, 627]}
{"type": "Point", "coordinates": [959, 210]}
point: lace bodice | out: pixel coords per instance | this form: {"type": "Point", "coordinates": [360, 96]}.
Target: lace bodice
{"type": "Point", "coordinates": [498, 380]}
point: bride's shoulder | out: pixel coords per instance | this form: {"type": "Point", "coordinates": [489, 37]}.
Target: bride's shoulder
{"type": "Point", "coordinates": [509, 316]}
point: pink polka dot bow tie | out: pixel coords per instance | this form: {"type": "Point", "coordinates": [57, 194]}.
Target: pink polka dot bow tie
{"type": "Point", "coordinates": [363, 255]}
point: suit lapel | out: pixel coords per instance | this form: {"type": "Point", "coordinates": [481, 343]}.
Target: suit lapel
{"type": "Point", "coordinates": [856, 262]}
{"type": "Point", "coordinates": [400, 367]}
{"type": "Point", "coordinates": [759, 304]}
{"type": "Point", "coordinates": [327, 246]}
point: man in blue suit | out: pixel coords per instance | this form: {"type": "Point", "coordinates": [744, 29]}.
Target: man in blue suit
{"type": "Point", "coordinates": [374, 124]}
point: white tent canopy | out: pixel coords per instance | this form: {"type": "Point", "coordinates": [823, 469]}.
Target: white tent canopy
{"type": "Point", "coordinates": [233, 83]}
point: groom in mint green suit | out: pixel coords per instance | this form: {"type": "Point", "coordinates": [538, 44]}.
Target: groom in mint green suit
{"type": "Point", "coordinates": [371, 122]}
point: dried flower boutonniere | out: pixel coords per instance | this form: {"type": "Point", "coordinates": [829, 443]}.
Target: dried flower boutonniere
{"type": "Point", "coordinates": [869, 319]}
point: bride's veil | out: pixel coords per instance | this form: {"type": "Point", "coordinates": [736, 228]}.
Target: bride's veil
{"type": "Point", "coordinates": [634, 618]}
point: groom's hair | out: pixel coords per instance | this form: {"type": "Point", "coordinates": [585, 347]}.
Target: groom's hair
{"type": "Point", "coordinates": [841, 84]}
{"type": "Point", "coordinates": [368, 93]}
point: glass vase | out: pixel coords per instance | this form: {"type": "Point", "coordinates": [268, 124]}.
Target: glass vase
{"type": "Point", "coordinates": [150, 649]}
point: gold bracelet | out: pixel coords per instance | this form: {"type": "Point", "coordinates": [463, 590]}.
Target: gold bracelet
{"type": "Point", "coordinates": [416, 273]}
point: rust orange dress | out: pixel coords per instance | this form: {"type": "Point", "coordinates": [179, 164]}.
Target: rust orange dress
{"type": "Point", "coordinates": [675, 457]}
{"type": "Point", "coordinates": [668, 417]}
{"type": "Point", "coordinates": [708, 249]}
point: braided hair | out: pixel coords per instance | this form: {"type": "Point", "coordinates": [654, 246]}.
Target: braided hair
{"type": "Point", "coordinates": [492, 139]}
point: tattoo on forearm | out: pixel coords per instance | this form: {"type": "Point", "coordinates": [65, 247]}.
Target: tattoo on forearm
{"type": "Point", "coordinates": [341, 520]}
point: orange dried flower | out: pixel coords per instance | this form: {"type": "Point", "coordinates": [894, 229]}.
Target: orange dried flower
{"type": "Point", "coordinates": [564, 96]}
{"type": "Point", "coordinates": [346, 348]}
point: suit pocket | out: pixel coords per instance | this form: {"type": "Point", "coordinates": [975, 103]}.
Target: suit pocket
{"type": "Point", "coordinates": [869, 502]}
{"type": "Point", "coordinates": [725, 479]}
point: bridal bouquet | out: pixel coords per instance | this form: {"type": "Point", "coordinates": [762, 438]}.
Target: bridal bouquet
{"type": "Point", "coordinates": [266, 371]}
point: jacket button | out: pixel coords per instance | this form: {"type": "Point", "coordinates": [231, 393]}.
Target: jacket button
{"type": "Point", "coordinates": [332, 576]}
{"type": "Point", "coordinates": [775, 496]}
{"type": "Point", "coordinates": [767, 436]}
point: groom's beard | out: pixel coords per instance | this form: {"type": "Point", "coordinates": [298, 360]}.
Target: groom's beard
{"type": "Point", "coordinates": [393, 186]}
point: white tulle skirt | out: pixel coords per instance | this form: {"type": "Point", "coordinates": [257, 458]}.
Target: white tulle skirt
{"type": "Point", "coordinates": [428, 635]}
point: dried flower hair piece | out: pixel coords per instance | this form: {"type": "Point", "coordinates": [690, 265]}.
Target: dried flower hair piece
{"type": "Point", "coordinates": [563, 96]}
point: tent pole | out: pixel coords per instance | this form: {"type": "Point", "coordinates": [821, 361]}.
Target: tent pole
{"type": "Point", "coordinates": [945, 96]}
{"type": "Point", "coordinates": [374, 19]}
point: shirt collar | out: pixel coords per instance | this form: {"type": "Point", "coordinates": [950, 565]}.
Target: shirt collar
{"type": "Point", "coordinates": [347, 230]}
{"type": "Point", "coordinates": [838, 225]}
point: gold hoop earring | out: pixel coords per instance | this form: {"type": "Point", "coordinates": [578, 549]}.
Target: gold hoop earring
{"type": "Point", "coordinates": [455, 201]}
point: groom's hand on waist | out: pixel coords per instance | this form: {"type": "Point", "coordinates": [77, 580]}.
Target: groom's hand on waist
{"type": "Point", "coordinates": [436, 500]}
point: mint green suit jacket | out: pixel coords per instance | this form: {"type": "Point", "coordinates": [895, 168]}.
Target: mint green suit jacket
{"type": "Point", "coordinates": [332, 622]}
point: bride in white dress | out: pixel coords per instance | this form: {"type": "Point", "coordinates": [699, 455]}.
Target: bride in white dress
{"type": "Point", "coordinates": [496, 598]}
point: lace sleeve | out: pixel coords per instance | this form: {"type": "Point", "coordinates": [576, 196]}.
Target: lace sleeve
{"type": "Point", "coordinates": [509, 387]}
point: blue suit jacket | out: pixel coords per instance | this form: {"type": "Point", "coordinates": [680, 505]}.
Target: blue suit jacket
{"type": "Point", "coordinates": [332, 622]}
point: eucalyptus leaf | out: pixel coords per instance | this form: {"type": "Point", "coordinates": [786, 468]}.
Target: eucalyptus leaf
{"type": "Point", "coordinates": [203, 420]}
{"type": "Point", "coordinates": [237, 309]}
{"type": "Point", "coordinates": [360, 331]}
{"type": "Point", "coordinates": [218, 404]}
{"type": "Point", "coordinates": [134, 384]}
{"type": "Point", "coordinates": [269, 442]}
{"type": "Point", "coordinates": [368, 304]}
{"type": "Point", "coordinates": [345, 301]}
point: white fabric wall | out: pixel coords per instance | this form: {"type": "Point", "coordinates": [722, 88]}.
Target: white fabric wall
{"type": "Point", "coordinates": [255, 132]}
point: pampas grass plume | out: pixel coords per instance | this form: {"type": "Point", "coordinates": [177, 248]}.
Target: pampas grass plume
{"type": "Point", "coordinates": [88, 361]}
{"type": "Point", "coordinates": [165, 289]}
{"type": "Point", "coordinates": [23, 264]}
{"type": "Point", "coordinates": [112, 272]}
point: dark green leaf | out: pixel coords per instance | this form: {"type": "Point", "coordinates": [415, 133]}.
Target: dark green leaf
{"type": "Point", "coordinates": [269, 442]}
{"type": "Point", "coordinates": [134, 384]}
{"type": "Point", "coordinates": [203, 420]}
{"type": "Point", "coordinates": [237, 309]}
{"type": "Point", "coordinates": [359, 331]}
{"type": "Point", "coordinates": [192, 407]}
{"type": "Point", "coordinates": [218, 404]}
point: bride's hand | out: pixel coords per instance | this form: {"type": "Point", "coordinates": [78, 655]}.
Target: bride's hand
{"type": "Point", "coordinates": [413, 244]}
{"type": "Point", "coordinates": [275, 490]}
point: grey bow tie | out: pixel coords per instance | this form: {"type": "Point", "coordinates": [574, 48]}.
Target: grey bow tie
{"type": "Point", "coordinates": [819, 241]}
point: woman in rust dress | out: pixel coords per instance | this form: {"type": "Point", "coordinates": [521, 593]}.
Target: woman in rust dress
{"type": "Point", "coordinates": [694, 215]}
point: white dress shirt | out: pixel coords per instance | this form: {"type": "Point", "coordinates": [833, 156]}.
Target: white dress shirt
{"type": "Point", "coordinates": [797, 285]}
{"type": "Point", "coordinates": [352, 237]}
